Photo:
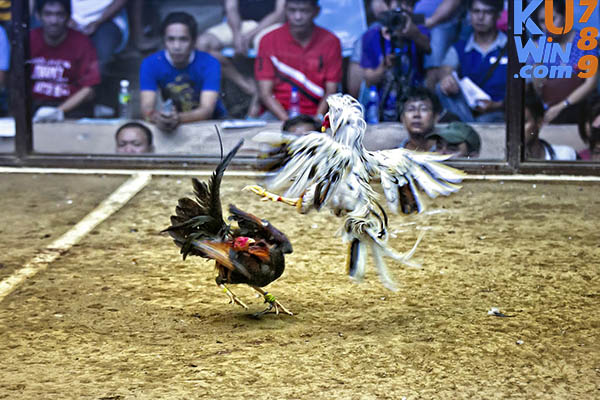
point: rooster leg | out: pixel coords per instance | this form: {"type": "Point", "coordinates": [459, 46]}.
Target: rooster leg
{"type": "Point", "coordinates": [273, 302]}
{"type": "Point", "coordinates": [233, 299]}
{"type": "Point", "coordinates": [259, 190]}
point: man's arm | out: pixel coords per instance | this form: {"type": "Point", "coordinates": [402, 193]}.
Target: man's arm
{"type": "Point", "coordinates": [76, 99]}
{"type": "Point", "coordinates": [448, 84]}
{"type": "Point", "coordinates": [235, 24]}
{"type": "Point", "coordinates": [450, 63]}
{"type": "Point", "coordinates": [374, 75]}
{"type": "Point", "coordinates": [330, 88]}
{"type": "Point", "coordinates": [204, 111]}
{"type": "Point", "coordinates": [109, 12]}
{"type": "Point", "coordinates": [442, 13]}
{"type": "Point", "coordinates": [147, 102]}
{"type": "Point", "coordinates": [278, 15]}
{"type": "Point", "coordinates": [577, 95]}
{"type": "Point", "coordinates": [265, 92]}
{"type": "Point", "coordinates": [412, 32]}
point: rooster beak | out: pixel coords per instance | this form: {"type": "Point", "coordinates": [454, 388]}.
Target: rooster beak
{"type": "Point", "coordinates": [326, 123]}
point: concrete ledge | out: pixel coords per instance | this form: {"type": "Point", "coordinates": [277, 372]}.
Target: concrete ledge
{"type": "Point", "coordinates": [71, 137]}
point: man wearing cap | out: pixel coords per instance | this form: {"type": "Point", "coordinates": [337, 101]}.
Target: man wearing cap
{"type": "Point", "coordinates": [458, 139]}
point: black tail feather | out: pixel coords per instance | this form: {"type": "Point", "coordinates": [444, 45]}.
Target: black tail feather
{"type": "Point", "coordinates": [203, 218]}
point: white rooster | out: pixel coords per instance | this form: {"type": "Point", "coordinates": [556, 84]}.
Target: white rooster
{"type": "Point", "coordinates": [336, 171]}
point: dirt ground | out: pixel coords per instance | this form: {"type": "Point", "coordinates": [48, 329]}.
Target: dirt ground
{"type": "Point", "coordinates": [121, 316]}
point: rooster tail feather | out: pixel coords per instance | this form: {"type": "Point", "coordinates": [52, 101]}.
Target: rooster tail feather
{"type": "Point", "coordinates": [203, 218]}
{"type": "Point", "coordinates": [214, 201]}
{"type": "Point", "coordinates": [357, 260]}
{"type": "Point", "coordinates": [382, 270]}
{"type": "Point", "coordinates": [403, 258]}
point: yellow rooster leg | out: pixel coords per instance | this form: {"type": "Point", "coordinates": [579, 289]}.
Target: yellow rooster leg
{"type": "Point", "coordinates": [273, 302]}
{"type": "Point", "coordinates": [259, 190]}
{"type": "Point", "coordinates": [233, 299]}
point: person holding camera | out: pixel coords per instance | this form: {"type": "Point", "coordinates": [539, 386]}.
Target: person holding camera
{"type": "Point", "coordinates": [392, 56]}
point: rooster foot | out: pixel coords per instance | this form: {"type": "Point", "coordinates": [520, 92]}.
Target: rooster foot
{"type": "Point", "coordinates": [233, 299]}
{"type": "Point", "coordinates": [259, 190]}
{"type": "Point", "coordinates": [273, 303]}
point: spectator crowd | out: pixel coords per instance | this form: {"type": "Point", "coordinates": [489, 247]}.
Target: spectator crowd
{"type": "Point", "coordinates": [427, 61]}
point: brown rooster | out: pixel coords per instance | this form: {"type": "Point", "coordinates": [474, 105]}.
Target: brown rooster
{"type": "Point", "coordinates": [252, 254]}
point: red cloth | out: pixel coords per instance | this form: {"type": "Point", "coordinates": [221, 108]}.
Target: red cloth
{"type": "Point", "coordinates": [320, 61]}
{"type": "Point", "coordinates": [59, 72]}
{"type": "Point", "coordinates": [585, 154]}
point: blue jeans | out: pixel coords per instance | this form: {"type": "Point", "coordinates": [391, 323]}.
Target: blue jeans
{"type": "Point", "coordinates": [107, 40]}
{"type": "Point", "coordinates": [458, 106]}
{"type": "Point", "coordinates": [442, 36]}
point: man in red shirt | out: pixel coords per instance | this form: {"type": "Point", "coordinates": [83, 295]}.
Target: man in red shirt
{"type": "Point", "coordinates": [298, 54]}
{"type": "Point", "coordinates": [64, 65]}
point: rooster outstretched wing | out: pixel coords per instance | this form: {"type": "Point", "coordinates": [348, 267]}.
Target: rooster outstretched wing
{"type": "Point", "coordinates": [320, 163]}
{"type": "Point", "coordinates": [402, 170]}
{"type": "Point", "coordinates": [312, 161]}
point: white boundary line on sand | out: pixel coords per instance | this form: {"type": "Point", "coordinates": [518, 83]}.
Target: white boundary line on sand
{"type": "Point", "coordinates": [197, 172]}
{"type": "Point", "coordinates": [109, 206]}
{"type": "Point", "coordinates": [156, 172]}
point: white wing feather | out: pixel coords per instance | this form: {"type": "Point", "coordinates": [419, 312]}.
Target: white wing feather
{"type": "Point", "coordinates": [314, 158]}
{"type": "Point", "coordinates": [399, 167]}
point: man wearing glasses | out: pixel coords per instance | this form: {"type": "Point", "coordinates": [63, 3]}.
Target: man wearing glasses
{"type": "Point", "coordinates": [419, 111]}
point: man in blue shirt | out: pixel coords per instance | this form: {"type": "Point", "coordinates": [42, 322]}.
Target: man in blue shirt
{"type": "Point", "coordinates": [190, 79]}
{"type": "Point", "coordinates": [483, 59]}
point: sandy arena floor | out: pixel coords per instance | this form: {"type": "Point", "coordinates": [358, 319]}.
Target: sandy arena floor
{"type": "Point", "coordinates": [121, 316]}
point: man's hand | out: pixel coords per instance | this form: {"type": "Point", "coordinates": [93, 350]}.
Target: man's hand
{"type": "Point", "coordinates": [48, 114]}
{"type": "Point", "coordinates": [241, 44]}
{"type": "Point", "coordinates": [410, 30]}
{"type": "Point", "coordinates": [449, 85]}
{"type": "Point", "coordinates": [166, 121]}
{"type": "Point", "coordinates": [485, 106]}
{"type": "Point", "coordinates": [388, 60]}
{"type": "Point", "coordinates": [90, 28]}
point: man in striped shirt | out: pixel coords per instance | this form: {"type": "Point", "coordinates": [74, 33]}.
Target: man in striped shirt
{"type": "Point", "coordinates": [299, 54]}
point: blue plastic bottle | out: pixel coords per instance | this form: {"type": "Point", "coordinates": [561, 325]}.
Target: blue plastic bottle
{"type": "Point", "coordinates": [390, 109]}
{"type": "Point", "coordinates": [372, 109]}
{"type": "Point", "coordinates": [294, 109]}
